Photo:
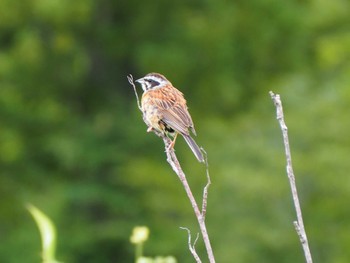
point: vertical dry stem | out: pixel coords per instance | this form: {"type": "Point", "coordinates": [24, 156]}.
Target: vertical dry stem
{"type": "Point", "coordinates": [200, 215]}
{"type": "Point", "coordinates": [299, 224]}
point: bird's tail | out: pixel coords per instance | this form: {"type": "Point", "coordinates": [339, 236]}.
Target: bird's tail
{"type": "Point", "coordinates": [194, 147]}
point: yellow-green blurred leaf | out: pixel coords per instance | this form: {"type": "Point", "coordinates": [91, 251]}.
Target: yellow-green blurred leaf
{"type": "Point", "coordinates": [47, 232]}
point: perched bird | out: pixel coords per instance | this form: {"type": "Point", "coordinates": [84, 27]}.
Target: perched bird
{"type": "Point", "coordinates": [164, 110]}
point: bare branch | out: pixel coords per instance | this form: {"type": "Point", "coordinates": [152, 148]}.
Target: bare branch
{"type": "Point", "coordinates": [175, 165]}
{"type": "Point", "coordinates": [299, 224]}
{"type": "Point", "coordinates": [192, 247]}
{"type": "Point", "coordinates": [131, 81]}
{"type": "Point", "coordinates": [205, 190]}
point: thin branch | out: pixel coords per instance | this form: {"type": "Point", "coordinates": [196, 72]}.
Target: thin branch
{"type": "Point", "coordinates": [131, 81]}
{"type": "Point", "coordinates": [192, 247]}
{"type": "Point", "coordinates": [299, 224]}
{"type": "Point", "coordinates": [205, 190]}
{"type": "Point", "coordinates": [175, 165]}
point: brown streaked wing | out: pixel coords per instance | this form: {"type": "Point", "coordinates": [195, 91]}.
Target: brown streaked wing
{"type": "Point", "coordinates": [177, 119]}
{"type": "Point", "coordinates": [172, 106]}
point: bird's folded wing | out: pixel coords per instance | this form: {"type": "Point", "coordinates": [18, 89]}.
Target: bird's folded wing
{"type": "Point", "coordinates": [177, 118]}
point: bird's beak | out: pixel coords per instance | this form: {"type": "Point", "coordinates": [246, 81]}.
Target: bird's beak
{"type": "Point", "coordinates": [139, 80]}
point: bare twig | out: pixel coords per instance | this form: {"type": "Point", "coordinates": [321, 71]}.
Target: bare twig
{"type": "Point", "coordinates": [175, 165]}
{"type": "Point", "coordinates": [192, 247]}
{"type": "Point", "coordinates": [299, 224]}
{"type": "Point", "coordinates": [131, 81]}
{"type": "Point", "coordinates": [205, 190]}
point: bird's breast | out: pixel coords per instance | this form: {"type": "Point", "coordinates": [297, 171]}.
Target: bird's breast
{"type": "Point", "coordinates": [151, 113]}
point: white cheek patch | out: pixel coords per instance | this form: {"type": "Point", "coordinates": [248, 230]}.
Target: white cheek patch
{"type": "Point", "coordinates": [152, 82]}
{"type": "Point", "coordinates": [145, 85]}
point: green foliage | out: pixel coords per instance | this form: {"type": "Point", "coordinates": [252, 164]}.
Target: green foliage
{"type": "Point", "coordinates": [73, 142]}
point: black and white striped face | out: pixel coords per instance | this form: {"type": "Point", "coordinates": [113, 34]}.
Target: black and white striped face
{"type": "Point", "coordinates": [152, 81]}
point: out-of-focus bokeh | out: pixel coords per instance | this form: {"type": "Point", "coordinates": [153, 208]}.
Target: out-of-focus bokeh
{"type": "Point", "coordinates": [73, 143]}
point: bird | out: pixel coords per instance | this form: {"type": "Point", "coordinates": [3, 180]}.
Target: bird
{"type": "Point", "coordinates": [164, 110]}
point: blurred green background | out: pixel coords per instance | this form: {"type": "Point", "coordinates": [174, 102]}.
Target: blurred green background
{"type": "Point", "coordinates": [73, 143]}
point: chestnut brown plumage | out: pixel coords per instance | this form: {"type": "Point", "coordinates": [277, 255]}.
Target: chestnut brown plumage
{"type": "Point", "coordinates": [165, 110]}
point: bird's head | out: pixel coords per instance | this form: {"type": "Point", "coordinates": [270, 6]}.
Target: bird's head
{"type": "Point", "coordinates": [152, 81]}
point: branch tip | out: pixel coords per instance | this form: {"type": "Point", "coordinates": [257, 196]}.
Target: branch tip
{"type": "Point", "coordinates": [191, 246]}
{"type": "Point", "coordinates": [131, 81]}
